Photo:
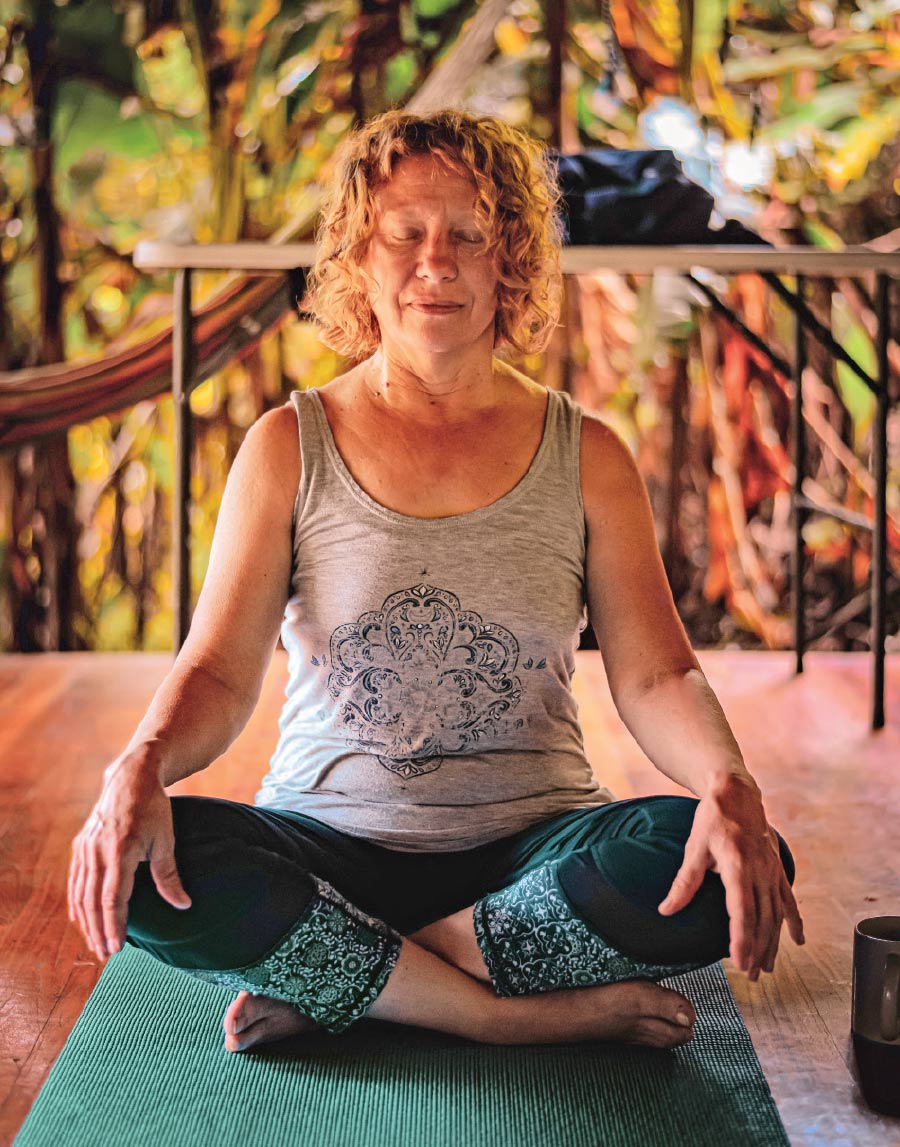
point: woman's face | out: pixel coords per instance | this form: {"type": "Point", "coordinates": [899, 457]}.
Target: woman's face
{"type": "Point", "coordinates": [435, 289]}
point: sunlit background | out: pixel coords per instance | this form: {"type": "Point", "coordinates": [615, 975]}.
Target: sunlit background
{"type": "Point", "coordinates": [215, 121]}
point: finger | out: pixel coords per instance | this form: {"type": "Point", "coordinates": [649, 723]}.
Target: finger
{"type": "Point", "coordinates": [684, 887]}
{"type": "Point", "coordinates": [765, 921]}
{"type": "Point", "coordinates": [772, 951]}
{"type": "Point", "coordinates": [741, 909]}
{"type": "Point", "coordinates": [792, 912]}
{"type": "Point", "coordinates": [109, 902]}
{"type": "Point", "coordinates": [126, 887]}
{"type": "Point", "coordinates": [92, 890]}
{"type": "Point", "coordinates": [165, 876]}
{"type": "Point", "coordinates": [78, 893]}
{"type": "Point", "coordinates": [762, 939]}
{"type": "Point", "coordinates": [125, 891]}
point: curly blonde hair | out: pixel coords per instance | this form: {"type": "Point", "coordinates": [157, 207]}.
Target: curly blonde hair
{"type": "Point", "coordinates": [516, 206]}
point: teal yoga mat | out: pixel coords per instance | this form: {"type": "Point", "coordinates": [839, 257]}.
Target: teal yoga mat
{"type": "Point", "coordinates": [145, 1066]}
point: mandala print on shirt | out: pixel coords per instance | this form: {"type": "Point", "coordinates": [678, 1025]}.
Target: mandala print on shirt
{"type": "Point", "coordinates": [421, 678]}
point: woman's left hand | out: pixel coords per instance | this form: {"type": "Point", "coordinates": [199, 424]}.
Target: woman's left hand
{"type": "Point", "coordinates": [731, 836]}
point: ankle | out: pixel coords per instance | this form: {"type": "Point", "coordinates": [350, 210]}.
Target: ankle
{"type": "Point", "coordinates": [563, 1015]}
{"type": "Point", "coordinates": [427, 991]}
{"type": "Point", "coordinates": [453, 939]}
{"type": "Point", "coordinates": [540, 1018]}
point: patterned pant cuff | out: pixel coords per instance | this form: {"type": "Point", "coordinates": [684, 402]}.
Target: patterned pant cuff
{"type": "Point", "coordinates": [532, 941]}
{"type": "Point", "coordinates": [332, 965]}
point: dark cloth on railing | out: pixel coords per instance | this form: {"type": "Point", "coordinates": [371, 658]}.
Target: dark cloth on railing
{"type": "Point", "coordinates": [642, 198]}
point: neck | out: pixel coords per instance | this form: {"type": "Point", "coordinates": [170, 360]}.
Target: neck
{"type": "Point", "coordinates": [434, 390]}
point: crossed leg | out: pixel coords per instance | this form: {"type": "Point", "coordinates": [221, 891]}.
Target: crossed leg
{"type": "Point", "coordinates": [426, 991]}
{"type": "Point", "coordinates": [436, 976]}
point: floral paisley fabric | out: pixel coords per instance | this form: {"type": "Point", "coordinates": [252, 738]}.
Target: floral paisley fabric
{"type": "Point", "coordinates": [532, 941]}
{"type": "Point", "coordinates": [332, 965]}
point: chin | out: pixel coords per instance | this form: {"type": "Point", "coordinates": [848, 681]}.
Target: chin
{"type": "Point", "coordinates": [452, 338]}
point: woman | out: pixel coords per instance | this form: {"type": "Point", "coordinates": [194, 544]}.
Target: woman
{"type": "Point", "coordinates": [431, 531]}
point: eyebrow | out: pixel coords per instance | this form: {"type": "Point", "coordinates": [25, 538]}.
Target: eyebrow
{"type": "Point", "coordinates": [396, 208]}
{"type": "Point", "coordinates": [467, 216]}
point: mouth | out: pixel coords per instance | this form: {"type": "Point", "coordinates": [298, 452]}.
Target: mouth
{"type": "Point", "coordinates": [435, 308]}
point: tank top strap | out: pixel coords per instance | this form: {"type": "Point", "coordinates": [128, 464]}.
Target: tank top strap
{"type": "Point", "coordinates": [564, 440]}
{"type": "Point", "coordinates": [314, 468]}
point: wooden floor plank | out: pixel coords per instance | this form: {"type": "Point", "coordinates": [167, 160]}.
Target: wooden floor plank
{"type": "Point", "coordinates": [830, 787]}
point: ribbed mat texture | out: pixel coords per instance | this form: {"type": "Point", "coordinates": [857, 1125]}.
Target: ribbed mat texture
{"type": "Point", "coordinates": [145, 1065]}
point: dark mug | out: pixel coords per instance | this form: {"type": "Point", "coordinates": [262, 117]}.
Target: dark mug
{"type": "Point", "coordinates": [875, 1011]}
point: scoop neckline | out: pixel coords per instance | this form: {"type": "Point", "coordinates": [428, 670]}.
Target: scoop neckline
{"type": "Point", "coordinates": [477, 514]}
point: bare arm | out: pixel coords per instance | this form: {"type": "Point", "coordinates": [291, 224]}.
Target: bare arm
{"type": "Point", "coordinates": [211, 690]}
{"type": "Point", "coordinates": [670, 709]}
{"type": "Point", "coordinates": [208, 695]}
{"type": "Point", "coordinates": [655, 679]}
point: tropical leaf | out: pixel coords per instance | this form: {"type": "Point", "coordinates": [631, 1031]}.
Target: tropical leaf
{"type": "Point", "coordinates": [80, 107]}
{"type": "Point", "coordinates": [653, 30]}
{"type": "Point", "coordinates": [856, 396]}
{"type": "Point", "coordinates": [831, 104]}
{"type": "Point", "coordinates": [90, 41]}
{"type": "Point", "coordinates": [797, 58]}
{"type": "Point", "coordinates": [167, 67]}
{"type": "Point", "coordinates": [860, 141]}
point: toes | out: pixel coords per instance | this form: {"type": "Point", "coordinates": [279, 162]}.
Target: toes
{"type": "Point", "coordinates": [255, 1019]}
{"type": "Point", "coordinates": [234, 1042]}
{"type": "Point", "coordinates": [239, 1014]}
{"type": "Point", "coordinates": [258, 1032]}
{"type": "Point", "coordinates": [676, 1005]}
{"type": "Point", "coordinates": [660, 1033]}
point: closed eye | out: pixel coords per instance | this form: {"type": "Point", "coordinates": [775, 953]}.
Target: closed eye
{"type": "Point", "coordinates": [462, 236]}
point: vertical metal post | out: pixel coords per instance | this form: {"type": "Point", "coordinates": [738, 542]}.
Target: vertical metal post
{"type": "Point", "coordinates": [800, 513]}
{"type": "Point", "coordinates": [878, 569]}
{"type": "Point", "coordinates": [182, 381]}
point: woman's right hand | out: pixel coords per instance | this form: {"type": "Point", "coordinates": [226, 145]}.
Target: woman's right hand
{"type": "Point", "coordinates": [131, 822]}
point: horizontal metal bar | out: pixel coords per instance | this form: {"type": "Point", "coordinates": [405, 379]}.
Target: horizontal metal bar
{"type": "Point", "coordinates": [842, 515]}
{"type": "Point", "coordinates": [259, 258]}
{"type": "Point", "coordinates": [783, 260]}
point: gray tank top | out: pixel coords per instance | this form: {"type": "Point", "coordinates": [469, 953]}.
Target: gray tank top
{"type": "Point", "coordinates": [429, 704]}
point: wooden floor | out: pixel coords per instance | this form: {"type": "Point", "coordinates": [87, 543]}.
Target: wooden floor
{"type": "Point", "coordinates": [831, 788]}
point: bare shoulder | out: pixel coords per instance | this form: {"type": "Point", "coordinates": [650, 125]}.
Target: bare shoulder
{"type": "Point", "coordinates": [522, 388]}
{"type": "Point", "coordinates": [523, 407]}
{"type": "Point", "coordinates": [279, 428]}
{"type": "Point", "coordinates": [608, 468]}
{"type": "Point", "coordinates": [273, 441]}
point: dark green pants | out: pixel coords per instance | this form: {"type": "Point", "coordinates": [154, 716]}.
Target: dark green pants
{"type": "Point", "coordinates": [289, 907]}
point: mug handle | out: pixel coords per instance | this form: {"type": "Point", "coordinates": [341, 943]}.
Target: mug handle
{"type": "Point", "coordinates": [890, 1013]}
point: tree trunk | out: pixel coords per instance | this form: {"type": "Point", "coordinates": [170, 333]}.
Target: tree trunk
{"type": "Point", "coordinates": [44, 591]}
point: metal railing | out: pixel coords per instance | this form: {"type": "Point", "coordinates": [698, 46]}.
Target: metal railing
{"type": "Point", "coordinates": [768, 262]}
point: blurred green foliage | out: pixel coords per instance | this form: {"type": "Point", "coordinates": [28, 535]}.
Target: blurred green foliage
{"type": "Point", "coordinates": [207, 122]}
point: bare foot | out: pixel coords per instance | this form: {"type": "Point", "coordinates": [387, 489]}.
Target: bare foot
{"type": "Point", "coordinates": [258, 1019]}
{"type": "Point", "coordinates": [633, 1011]}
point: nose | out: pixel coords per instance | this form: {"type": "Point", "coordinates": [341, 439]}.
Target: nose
{"type": "Point", "coordinates": [437, 258]}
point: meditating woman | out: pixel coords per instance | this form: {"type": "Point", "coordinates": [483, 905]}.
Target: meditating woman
{"type": "Point", "coordinates": [431, 532]}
